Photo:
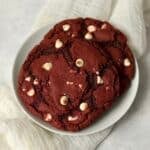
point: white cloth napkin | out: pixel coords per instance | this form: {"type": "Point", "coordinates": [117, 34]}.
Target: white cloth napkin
{"type": "Point", "coordinates": [16, 131]}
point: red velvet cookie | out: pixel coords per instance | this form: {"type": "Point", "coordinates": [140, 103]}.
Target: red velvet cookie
{"type": "Point", "coordinates": [76, 72]}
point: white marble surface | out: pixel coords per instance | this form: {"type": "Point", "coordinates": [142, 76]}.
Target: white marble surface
{"type": "Point", "coordinates": [133, 131]}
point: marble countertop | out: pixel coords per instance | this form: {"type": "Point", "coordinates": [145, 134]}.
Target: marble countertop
{"type": "Point", "coordinates": [130, 133]}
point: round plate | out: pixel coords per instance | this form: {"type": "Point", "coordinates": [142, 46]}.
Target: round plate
{"type": "Point", "coordinates": [108, 119]}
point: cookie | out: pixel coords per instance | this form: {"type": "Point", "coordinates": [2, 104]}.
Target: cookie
{"type": "Point", "coordinates": [76, 73]}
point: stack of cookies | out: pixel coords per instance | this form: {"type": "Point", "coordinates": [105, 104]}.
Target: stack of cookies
{"type": "Point", "coordinates": [76, 73]}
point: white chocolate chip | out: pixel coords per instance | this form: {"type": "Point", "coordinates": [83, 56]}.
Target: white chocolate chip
{"type": "Point", "coordinates": [58, 43]}
{"type": "Point", "coordinates": [73, 35]}
{"type": "Point", "coordinates": [35, 82]}
{"type": "Point", "coordinates": [97, 72]}
{"type": "Point", "coordinates": [64, 100]}
{"type": "Point", "coordinates": [28, 79]}
{"type": "Point", "coordinates": [69, 83]}
{"type": "Point", "coordinates": [31, 92]}
{"type": "Point", "coordinates": [91, 28]}
{"type": "Point", "coordinates": [88, 36]}
{"type": "Point", "coordinates": [126, 62]}
{"type": "Point", "coordinates": [80, 86]}
{"type": "Point", "coordinates": [83, 106]}
{"type": "Point", "coordinates": [79, 62]}
{"type": "Point", "coordinates": [70, 118]}
{"type": "Point", "coordinates": [104, 26]}
{"type": "Point", "coordinates": [66, 27]}
{"type": "Point", "coordinates": [47, 66]}
{"type": "Point", "coordinates": [48, 117]}
{"type": "Point", "coordinates": [23, 89]}
{"type": "Point", "coordinates": [99, 80]}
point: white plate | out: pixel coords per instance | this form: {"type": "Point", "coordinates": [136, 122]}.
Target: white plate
{"type": "Point", "coordinates": [109, 118]}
